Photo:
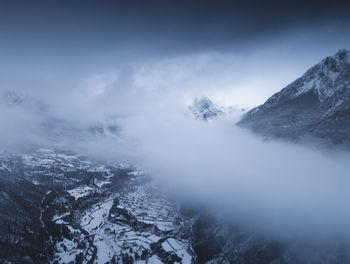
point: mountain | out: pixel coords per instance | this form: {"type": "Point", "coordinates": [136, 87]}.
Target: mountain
{"type": "Point", "coordinates": [316, 105]}
{"type": "Point", "coordinates": [204, 109]}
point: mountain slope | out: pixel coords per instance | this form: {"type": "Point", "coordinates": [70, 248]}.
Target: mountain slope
{"type": "Point", "coordinates": [317, 105]}
{"type": "Point", "coordinates": [56, 207]}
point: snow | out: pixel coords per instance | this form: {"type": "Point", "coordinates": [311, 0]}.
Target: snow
{"type": "Point", "coordinates": [180, 248]}
{"type": "Point", "coordinates": [57, 217]}
{"type": "Point", "coordinates": [153, 238]}
{"type": "Point", "coordinates": [66, 251]}
{"type": "Point", "coordinates": [307, 86]}
{"type": "Point", "coordinates": [5, 167]}
{"type": "Point", "coordinates": [110, 236]}
{"type": "Point", "coordinates": [61, 222]}
{"type": "Point", "coordinates": [35, 182]}
{"type": "Point", "coordinates": [136, 173]}
{"type": "Point", "coordinates": [154, 260]}
{"type": "Point", "coordinates": [164, 226]}
{"type": "Point", "coordinates": [80, 192]}
{"type": "Point", "coordinates": [324, 77]}
{"type": "Point", "coordinates": [166, 246]}
{"type": "Point", "coordinates": [186, 257]}
{"type": "Point", "coordinates": [333, 107]}
{"type": "Point", "coordinates": [100, 183]}
{"type": "Point", "coordinates": [104, 252]}
{"type": "Point", "coordinates": [205, 109]}
{"type": "Point", "coordinates": [94, 219]}
{"type": "Point", "coordinates": [174, 243]}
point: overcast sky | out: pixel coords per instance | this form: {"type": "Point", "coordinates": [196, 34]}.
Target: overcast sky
{"type": "Point", "coordinates": [247, 50]}
{"type": "Point", "coordinates": [76, 64]}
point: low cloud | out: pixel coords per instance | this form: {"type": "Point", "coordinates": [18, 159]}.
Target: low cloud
{"type": "Point", "coordinates": [273, 187]}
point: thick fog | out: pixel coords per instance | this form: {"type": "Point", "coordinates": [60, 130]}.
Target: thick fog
{"type": "Point", "coordinates": [276, 187]}
{"type": "Point", "coordinates": [285, 190]}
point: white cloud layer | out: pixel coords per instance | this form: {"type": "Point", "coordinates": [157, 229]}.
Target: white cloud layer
{"type": "Point", "coordinates": [271, 186]}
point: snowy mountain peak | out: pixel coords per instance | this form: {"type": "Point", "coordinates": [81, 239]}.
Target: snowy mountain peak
{"type": "Point", "coordinates": [316, 104]}
{"type": "Point", "coordinates": [204, 109]}
{"type": "Point", "coordinates": [324, 80]}
{"type": "Point", "coordinates": [342, 55]}
{"type": "Point", "coordinates": [334, 63]}
{"type": "Point", "coordinates": [203, 103]}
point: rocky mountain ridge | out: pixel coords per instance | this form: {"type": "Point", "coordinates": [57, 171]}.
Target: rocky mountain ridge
{"type": "Point", "coordinates": [315, 106]}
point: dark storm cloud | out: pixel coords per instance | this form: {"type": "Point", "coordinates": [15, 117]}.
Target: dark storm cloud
{"type": "Point", "coordinates": [159, 26]}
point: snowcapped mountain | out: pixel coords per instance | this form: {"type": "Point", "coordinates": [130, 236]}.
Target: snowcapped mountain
{"type": "Point", "coordinates": [316, 105]}
{"type": "Point", "coordinates": [204, 109]}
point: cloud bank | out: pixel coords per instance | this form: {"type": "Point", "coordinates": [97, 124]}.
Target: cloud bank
{"type": "Point", "coordinates": [272, 187]}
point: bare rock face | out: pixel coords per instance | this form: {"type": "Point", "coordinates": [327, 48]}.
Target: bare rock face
{"type": "Point", "coordinates": [317, 105]}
